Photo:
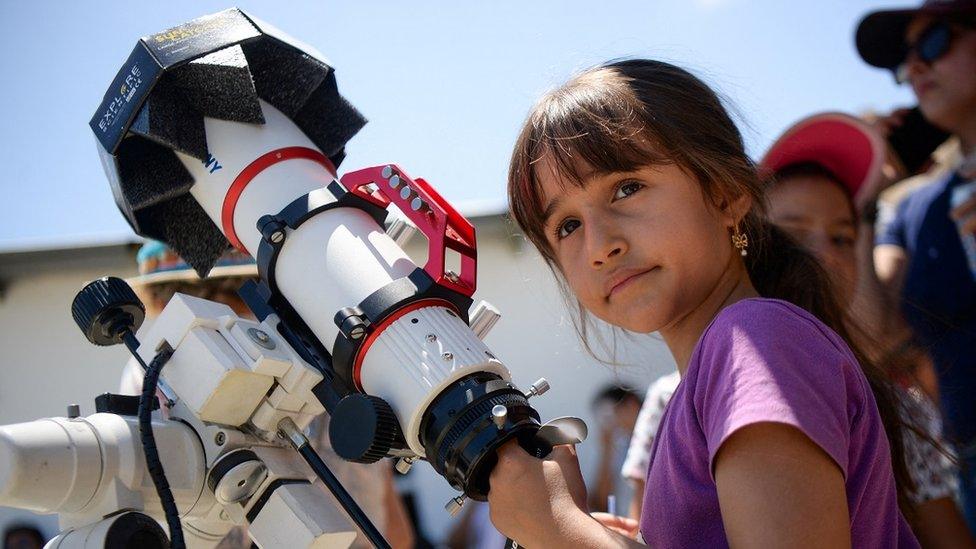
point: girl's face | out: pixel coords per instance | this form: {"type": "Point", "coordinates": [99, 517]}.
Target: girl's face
{"type": "Point", "coordinates": [815, 211]}
{"type": "Point", "coordinates": [946, 87]}
{"type": "Point", "coordinates": [639, 249]}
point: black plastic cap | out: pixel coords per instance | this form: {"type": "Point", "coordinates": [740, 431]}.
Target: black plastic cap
{"type": "Point", "coordinates": [105, 309]}
{"type": "Point", "coordinates": [363, 428]}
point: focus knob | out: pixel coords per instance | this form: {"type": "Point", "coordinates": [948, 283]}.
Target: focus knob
{"type": "Point", "coordinates": [363, 428]}
{"type": "Point", "coordinates": [105, 309]}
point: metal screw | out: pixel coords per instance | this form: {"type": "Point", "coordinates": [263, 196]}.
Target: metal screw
{"type": "Point", "coordinates": [403, 465]}
{"type": "Point", "coordinates": [431, 338]}
{"type": "Point", "coordinates": [261, 338]}
{"type": "Point", "coordinates": [277, 237]}
{"type": "Point", "coordinates": [387, 172]}
{"type": "Point", "coordinates": [220, 438]}
{"type": "Point", "coordinates": [448, 356]}
{"type": "Point", "coordinates": [537, 388]}
{"type": "Point", "coordinates": [74, 411]}
{"type": "Point", "coordinates": [357, 332]}
{"type": "Point", "coordinates": [499, 413]}
{"type": "Point", "coordinates": [453, 505]}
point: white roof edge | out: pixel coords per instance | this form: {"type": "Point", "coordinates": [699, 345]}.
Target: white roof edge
{"type": "Point", "coordinates": [67, 242]}
{"type": "Point", "coordinates": [471, 209]}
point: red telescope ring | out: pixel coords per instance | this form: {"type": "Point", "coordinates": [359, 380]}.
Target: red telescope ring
{"type": "Point", "coordinates": [252, 170]}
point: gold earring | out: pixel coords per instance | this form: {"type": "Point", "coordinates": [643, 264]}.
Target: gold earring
{"type": "Point", "coordinates": [740, 241]}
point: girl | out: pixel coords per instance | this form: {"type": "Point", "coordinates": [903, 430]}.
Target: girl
{"type": "Point", "coordinates": [632, 181]}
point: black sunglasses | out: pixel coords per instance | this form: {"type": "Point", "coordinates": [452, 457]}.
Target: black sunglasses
{"type": "Point", "coordinates": [933, 43]}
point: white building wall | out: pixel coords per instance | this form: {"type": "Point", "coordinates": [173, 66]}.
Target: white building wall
{"type": "Point", "coordinates": [46, 363]}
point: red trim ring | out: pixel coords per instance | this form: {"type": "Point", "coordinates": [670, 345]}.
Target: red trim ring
{"type": "Point", "coordinates": [383, 325]}
{"type": "Point", "coordinates": [252, 170]}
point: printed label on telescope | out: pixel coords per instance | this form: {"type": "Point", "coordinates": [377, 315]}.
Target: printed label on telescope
{"type": "Point", "coordinates": [128, 89]}
{"type": "Point", "coordinates": [124, 97]}
{"type": "Point", "coordinates": [200, 36]}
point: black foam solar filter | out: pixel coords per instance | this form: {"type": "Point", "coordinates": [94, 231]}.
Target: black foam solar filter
{"type": "Point", "coordinates": [217, 66]}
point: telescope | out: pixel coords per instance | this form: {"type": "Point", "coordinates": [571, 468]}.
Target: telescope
{"type": "Point", "coordinates": [225, 132]}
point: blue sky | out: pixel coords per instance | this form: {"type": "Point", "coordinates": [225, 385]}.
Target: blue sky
{"type": "Point", "coordinates": [445, 85]}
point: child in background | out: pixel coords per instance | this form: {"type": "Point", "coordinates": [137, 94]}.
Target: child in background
{"type": "Point", "coordinates": [634, 468]}
{"type": "Point", "coordinates": [616, 409]}
{"type": "Point", "coordinates": [633, 182]}
{"type": "Point", "coordinates": [817, 171]}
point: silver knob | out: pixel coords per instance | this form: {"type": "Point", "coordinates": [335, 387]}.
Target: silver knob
{"type": "Point", "coordinates": [403, 465]}
{"type": "Point", "coordinates": [401, 231]}
{"type": "Point", "coordinates": [453, 505]}
{"type": "Point", "coordinates": [483, 318]}
{"type": "Point", "coordinates": [499, 414]}
{"type": "Point", "coordinates": [537, 388]}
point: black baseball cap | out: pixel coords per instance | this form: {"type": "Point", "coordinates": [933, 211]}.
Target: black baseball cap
{"type": "Point", "coordinates": [880, 35]}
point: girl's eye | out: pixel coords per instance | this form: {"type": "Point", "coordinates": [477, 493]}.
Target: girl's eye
{"type": "Point", "coordinates": [842, 241]}
{"type": "Point", "coordinates": [626, 189]}
{"type": "Point", "coordinates": [566, 227]}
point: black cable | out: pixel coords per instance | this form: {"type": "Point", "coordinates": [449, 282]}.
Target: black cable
{"type": "Point", "coordinates": [153, 463]}
{"type": "Point", "coordinates": [342, 496]}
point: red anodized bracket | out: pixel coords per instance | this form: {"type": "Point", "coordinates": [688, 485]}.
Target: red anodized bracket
{"type": "Point", "coordinates": [443, 226]}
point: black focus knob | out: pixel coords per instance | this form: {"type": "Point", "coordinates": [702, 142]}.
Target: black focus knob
{"type": "Point", "coordinates": [363, 428]}
{"type": "Point", "coordinates": [105, 309]}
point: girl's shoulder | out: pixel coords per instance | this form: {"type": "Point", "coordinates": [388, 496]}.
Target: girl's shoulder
{"type": "Point", "coordinates": [771, 320]}
{"type": "Point", "coordinates": [769, 334]}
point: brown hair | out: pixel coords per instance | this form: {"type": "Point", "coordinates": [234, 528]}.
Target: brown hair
{"type": "Point", "coordinates": [629, 114]}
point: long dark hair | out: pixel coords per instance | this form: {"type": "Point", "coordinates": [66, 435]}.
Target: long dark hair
{"type": "Point", "coordinates": [628, 114]}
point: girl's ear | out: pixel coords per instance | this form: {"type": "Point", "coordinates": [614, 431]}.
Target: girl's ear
{"type": "Point", "coordinates": [735, 209]}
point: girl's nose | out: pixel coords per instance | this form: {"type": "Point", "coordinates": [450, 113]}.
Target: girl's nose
{"type": "Point", "coordinates": [604, 245]}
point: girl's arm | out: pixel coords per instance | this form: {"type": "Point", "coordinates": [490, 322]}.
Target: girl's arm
{"type": "Point", "coordinates": [776, 488]}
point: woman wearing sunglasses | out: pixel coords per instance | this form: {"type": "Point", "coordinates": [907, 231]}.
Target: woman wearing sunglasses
{"type": "Point", "coordinates": [920, 255]}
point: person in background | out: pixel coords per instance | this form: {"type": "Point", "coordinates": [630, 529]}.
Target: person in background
{"type": "Point", "coordinates": [817, 171]}
{"type": "Point", "coordinates": [920, 255]}
{"type": "Point", "coordinates": [22, 536]}
{"type": "Point", "coordinates": [162, 274]}
{"type": "Point", "coordinates": [638, 458]}
{"type": "Point", "coordinates": [616, 409]}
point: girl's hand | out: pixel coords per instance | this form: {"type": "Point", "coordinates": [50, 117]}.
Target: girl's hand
{"type": "Point", "coordinates": [622, 525]}
{"type": "Point", "coordinates": [537, 502]}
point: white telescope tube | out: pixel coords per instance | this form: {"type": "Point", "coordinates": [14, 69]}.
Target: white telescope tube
{"type": "Point", "coordinates": [333, 260]}
{"type": "Point", "coordinates": [77, 466]}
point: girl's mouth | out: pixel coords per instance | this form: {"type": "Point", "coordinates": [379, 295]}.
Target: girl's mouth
{"type": "Point", "coordinates": [625, 279]}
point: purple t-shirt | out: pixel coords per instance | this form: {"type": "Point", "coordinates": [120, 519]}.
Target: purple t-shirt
{"type": "Point", "coordinates": [765, 360]}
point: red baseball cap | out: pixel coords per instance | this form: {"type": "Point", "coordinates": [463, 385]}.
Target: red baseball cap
{"type": "Point", "coordinates": [847, 147]}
